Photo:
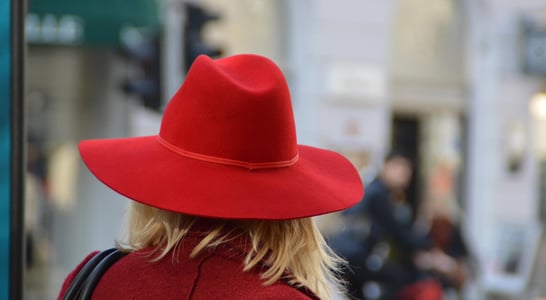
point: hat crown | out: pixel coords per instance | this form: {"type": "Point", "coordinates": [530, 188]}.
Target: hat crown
{"type": "Point", "coordinates": [236, 108]}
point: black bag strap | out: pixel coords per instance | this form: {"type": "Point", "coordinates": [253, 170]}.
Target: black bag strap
{"type": "Point", "coordinates": [87, 278]}
{"type": "Point", "coordinates": [97, 272]}
{"type": "Point", "coordinates": [76, 285]}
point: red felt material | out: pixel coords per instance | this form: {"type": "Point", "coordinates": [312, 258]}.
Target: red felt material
{"type": "Point", "coordinates": [211, 275]}
{"type": "Point", "coordinates": [230, 117]}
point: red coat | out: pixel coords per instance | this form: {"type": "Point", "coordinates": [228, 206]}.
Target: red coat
{"type": "Point", "coordinates": [214, 274]}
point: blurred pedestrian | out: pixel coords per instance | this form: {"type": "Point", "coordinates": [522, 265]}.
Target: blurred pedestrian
{"type": "Point", "coordinates": [439, 220]}
{"type": "Point", "coordinates": [379, 240]}
{"type": "Point", "coordinates": [223, 194]}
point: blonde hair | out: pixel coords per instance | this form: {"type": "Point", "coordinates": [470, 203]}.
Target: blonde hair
{"type": "Point", "coordinates": [292, 250]}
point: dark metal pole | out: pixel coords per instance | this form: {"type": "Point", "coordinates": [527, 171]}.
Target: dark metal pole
{"type": "Point", "coordinates": [17, 233]}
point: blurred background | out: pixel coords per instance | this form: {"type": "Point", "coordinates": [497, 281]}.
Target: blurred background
{"type": "Point", "coordinates": [459, 85]}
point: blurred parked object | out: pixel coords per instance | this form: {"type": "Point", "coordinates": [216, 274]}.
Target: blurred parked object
{"type": "Point", "coordinates": [508, 274]}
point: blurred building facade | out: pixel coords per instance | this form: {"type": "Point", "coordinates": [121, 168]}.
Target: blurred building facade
{"type": "Point", "coordinates": [441, 79]}
{"type": "Point", "coordinates": [450, 74]}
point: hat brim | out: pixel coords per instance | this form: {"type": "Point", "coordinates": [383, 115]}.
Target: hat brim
{"type": "Point", "coordinates": [145, 171]}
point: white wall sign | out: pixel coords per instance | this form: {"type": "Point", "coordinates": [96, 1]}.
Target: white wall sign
{"type": "Point", "coordinates": [51, 29]}
{"type": "Point", "coordinates": [356, 82]}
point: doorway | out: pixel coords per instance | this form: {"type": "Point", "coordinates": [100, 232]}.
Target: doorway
{"type": "Point", "coordinates": [405, 138]}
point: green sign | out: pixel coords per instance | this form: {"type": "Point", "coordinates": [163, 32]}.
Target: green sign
{"type": "Point", "coordinates": [96, 22]}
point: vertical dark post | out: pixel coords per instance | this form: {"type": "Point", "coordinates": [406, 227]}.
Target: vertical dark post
{"type": "Point", "coordinates": [5, 146]}
{"type": "Point", "coordinates": [17, 91]}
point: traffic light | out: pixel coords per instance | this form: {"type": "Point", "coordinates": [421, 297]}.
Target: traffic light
{"type": "Point", "coordinates": [194, 42]}
{"type": "Point", "coordinates": [145, 83]}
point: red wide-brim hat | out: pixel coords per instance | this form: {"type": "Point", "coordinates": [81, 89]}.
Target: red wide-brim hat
{"type": "Point", "coordinates": [227, 149]}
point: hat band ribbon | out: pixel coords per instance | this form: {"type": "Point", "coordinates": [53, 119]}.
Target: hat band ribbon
{"type": "Point", "coordinates": [227, 161]}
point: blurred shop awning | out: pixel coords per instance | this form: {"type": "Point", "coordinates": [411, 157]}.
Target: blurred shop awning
{"type": "Point", "coordinates": [90, 23]}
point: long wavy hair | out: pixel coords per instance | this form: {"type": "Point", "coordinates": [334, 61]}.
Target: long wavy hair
{"type": "Point", "coordinates": [293, 250]}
